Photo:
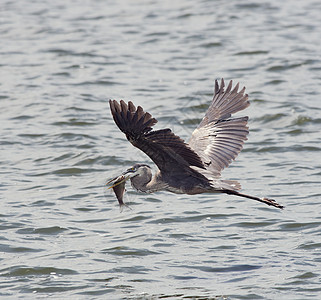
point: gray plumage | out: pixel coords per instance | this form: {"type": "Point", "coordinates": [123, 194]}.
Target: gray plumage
{"type": "Point", "coordinates": [190, 168]}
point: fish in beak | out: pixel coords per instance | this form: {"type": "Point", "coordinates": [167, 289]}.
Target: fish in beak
{"type": "Point", "coordinates": [118, 184]}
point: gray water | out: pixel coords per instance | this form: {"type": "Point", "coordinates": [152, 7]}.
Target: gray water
{"type": "Point", "coordinates": [63, 235]}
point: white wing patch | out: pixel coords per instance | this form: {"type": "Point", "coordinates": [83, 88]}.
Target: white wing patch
{"type": "Point", "coordinates": [219, 138]}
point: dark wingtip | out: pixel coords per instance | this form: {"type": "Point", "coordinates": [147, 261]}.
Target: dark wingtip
{"type": "Point", "coordinates": [131, 120]}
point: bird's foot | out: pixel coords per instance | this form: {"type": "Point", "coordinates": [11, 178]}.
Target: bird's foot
{"type": "Point", "coordinates": [272, 202]}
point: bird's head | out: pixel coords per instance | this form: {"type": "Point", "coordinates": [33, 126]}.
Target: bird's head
{"type": "Point", "coordinates": [136, 171]}
{"type": "Point", "coordinates": [139, 175]}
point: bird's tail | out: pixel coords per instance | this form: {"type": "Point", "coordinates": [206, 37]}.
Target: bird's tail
{"type": "Point", "coordinates": [226, 184]}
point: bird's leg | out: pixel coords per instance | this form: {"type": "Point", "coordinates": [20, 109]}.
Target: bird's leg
{"type": "Point", "coordinates": [267, 201]}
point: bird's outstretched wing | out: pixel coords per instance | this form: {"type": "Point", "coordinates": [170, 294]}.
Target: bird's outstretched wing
{"type": "Point", "coordinates": [218, 139]}
{"type": "Point", "coordinates": [166, 149]}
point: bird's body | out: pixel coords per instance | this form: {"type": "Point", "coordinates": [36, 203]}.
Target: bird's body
{"type": "Point", "coordinates": [186, 168]}
{"type": "Point", "coordinates": [175, 183]}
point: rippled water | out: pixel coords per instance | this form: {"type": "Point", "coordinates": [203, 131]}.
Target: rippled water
{"type": "Point", "coordinates": [63, 236]}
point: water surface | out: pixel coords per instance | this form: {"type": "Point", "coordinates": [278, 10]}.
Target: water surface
{"type": "Point", "coordinates": [63, 236]}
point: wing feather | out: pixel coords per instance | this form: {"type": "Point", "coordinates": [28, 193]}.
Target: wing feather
{"type": "Point", "coordinates": [219, 138]}
{"type": "Point", "coordinates": [164, 147]}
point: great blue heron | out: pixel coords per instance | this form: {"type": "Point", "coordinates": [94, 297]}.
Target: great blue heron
{"type": "Point", "coordinates": [186, 168]}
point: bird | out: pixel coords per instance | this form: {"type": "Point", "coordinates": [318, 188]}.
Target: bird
{"type": "Point", "coordinates": [192, 167]}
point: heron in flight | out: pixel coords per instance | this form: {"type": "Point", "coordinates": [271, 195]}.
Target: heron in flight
{"type": "Point", "coordinates": [186, 168]}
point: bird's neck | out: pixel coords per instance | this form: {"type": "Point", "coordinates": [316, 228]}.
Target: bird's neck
{"type": "Point", "coordinates": [151, 185]}
{"type": "Point", "coordinates": [156, 183]}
